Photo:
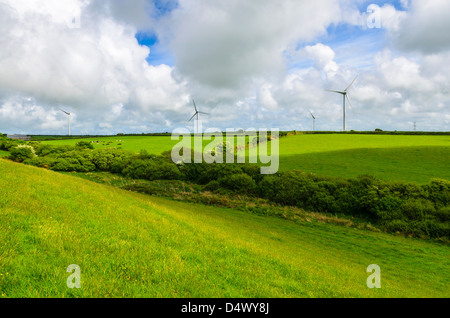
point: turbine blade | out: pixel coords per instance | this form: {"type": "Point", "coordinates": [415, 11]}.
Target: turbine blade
{"type": "Point", "coordinates": [193, 117]}
{"type": "Point", "coordinates": [350, 103]}
{"type": "Point", "coordinates": [339, 92]}
{"type": "Point", "coordinates": [351, 84]}
{"type": "Point", "coordinates": [203, 113]}
{"type": "Point", "coordinates": [64, 112]}
{"type": "Point", "coordinates": [195, 106]}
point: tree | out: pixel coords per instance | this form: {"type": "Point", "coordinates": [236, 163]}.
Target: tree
{"type": "Point", "coordinates": [84, 145]}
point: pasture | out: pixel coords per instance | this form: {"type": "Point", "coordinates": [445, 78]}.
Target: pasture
{"type": "Point", "coordinates": [399, 157]}
{"type": "Point", "coordinates": [153, 144]}
{"type": "Point", "coordinates": [133, 245]}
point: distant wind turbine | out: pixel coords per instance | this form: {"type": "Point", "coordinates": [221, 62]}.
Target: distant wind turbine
{"type": "Point", "coordinates": [345, 95]}
{"type": "Point", "coordinates": [314, 120]}
{"type": "Point", "coordinates": [68, 118]}
{"type": "Point", "coordinates": [197, 112]}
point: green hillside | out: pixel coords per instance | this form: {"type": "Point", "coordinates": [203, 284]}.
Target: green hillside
{"type": "Point", "coordinates": [389, 157]}
{"type": "Point", "coordinates": [132, 245]}
{"type": "Point", "coordinates": [392, 158]}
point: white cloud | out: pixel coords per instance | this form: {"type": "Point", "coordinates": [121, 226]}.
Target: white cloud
{"type": "Point", "coordinates": [424, 28]}
{"type": "Point", "coordinates": [231, 56]}
{"type": "Point", "coordinates": [88, 68]}
{"type": "Point", "coordinates": [323, 57]}
{"type": "Point", "coordinates": [223, 43]}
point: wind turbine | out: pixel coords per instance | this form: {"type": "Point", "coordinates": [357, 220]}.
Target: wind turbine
{"type": "Point", "coordinates": [314, 120]}
{"type": "Point", "coordinates": [68, 117]}
{"type": "Point", "coordinates": [197, 112]}
{"type": "Point", "coordinates": [345, 95]}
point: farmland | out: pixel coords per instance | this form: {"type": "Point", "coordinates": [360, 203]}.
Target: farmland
{"type": "Point", "coordinates": [403, 158]}
{"type": "Point", "coordinates": [133, 245]}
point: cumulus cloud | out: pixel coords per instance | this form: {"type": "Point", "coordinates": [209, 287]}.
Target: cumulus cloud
{"type": "Point", "coordinates": [424, 28]}
{"type": "Point", "coordinates": [323, 57]}
{"type": "Point", "coordinates": [250, 64]}
{"type": "Point", "coordinates": [76, 54]}
{"type": "Point", "coordinates": [222, 43]}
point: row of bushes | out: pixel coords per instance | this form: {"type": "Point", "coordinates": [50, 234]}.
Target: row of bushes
{"type": "Point", "coordinates": [421, 210]}
{"type": "Point", "coordinates": [410, 208]}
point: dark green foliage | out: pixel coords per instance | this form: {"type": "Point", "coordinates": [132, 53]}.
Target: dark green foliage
{"type": "Point", "coordinates": [7, 144]}
{"type": "Point", "coordinates": [212, 186]}
{"type": "Point", "coordinates": [84, 145]}
{"type": "Point", "coordinates": [150, 169]}
{"type": "Point", "coordinates": [52, 151]}
{"type": "Point", "coordinates": [110, 159]}
{"type": "Point", "coordinates": [21, 154]}
{"type": "Point", "coordinates": [238, 182]}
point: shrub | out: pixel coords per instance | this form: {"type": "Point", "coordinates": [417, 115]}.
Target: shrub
{"type": "Point", "coordinates": [109, 159]}
{"type": "Point", "coordinates": [388, 208]}
{"type": "Point", "coordinates": [151, 170]}
{"type": "Point", "coordinates": [21, 154]}
{"type": "Point", "coordinates": [52, 151]}
{"type": "Point", "coordinates": [242, 183]}
{"type": "Point", "coordinates": [84, 145]}
{"type": "Point", "coordinates": [443, 214]}
{"type": "Point", "coordinates": [414, 209]}
{"type": "Point", "coordinates": [212, 186]}
{"type": "Point", "coordinates": [438, 191]}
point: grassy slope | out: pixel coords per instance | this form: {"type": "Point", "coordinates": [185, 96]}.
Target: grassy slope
{"type": "Point", "coordinates": [133, 245]}
{"type": "Point", "coordinates": [3, 153]}
{"type": "Point", "coordinates": [406, 158]}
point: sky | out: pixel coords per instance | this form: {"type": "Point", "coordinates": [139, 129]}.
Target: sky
{"type": "Point", "coordinates": [136, 66]}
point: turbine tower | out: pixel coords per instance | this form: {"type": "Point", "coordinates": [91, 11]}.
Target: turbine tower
{"type": "Point", "coordinates": [68, 118]}
{"type": "Point", "coordinates": [314, 120]}
{"type": "Point", "coordinates": [197, 112]}
{"type": "Point", "coordinates": [344, 96]}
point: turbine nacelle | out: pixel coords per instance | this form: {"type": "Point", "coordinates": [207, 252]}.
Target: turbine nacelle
{"type": "Point", "coordinates": [197, 112]}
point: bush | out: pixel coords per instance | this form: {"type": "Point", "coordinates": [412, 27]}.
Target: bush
{"type": "Point", "coordinates": [212, 186]}
{"type": "Point", "coordinates": [52, 151]}
{"type": "Point", "coordinates": [443, 214]}
{"type": "Point", "coordinates": [388, 208]}
{"type": "Point", "coordinates": [241, 183]}
{"type": "Point", "coordinates": [152, 170]}
{"type": "Point", "coordinates": [21, 154]}
{"type": "Point", "coordinates": [414, 209]}
{"type": "Point", "coordinates": [84, 145]}
{"type": "Point", "coordinates": [109, 159]}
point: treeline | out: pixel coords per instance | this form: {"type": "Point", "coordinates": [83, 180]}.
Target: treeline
{"type": "Point", "coordinates": [411, 209]}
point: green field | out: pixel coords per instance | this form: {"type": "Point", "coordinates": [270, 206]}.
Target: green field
{"type": "Point", "coordinates": [402, 158]}
{"type": "Point", "coordinates": [153, 144]}
{"type": "Point", "coordinates": [3, 153]}
{"type": "Point", "coordinates": [132, 245]}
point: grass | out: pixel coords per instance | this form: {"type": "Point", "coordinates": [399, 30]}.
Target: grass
{"type": "Point", "coordinates": [133, 245]}
{"type": "Point", "coordinates": [403, 158]}
{"type": "Point", "coordinates": [153, 144]}
{"type": "Point", "coordinates": [3, 153]}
